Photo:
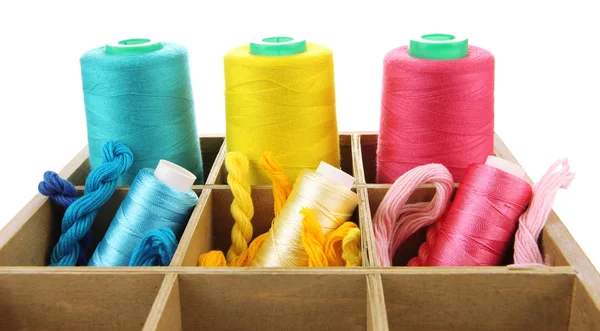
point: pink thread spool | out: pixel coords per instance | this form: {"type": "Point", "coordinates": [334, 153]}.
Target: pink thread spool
{"type": "Point", "coordinates": [482, 220]}
{"type": "Point", "coordinates": [437, 107]}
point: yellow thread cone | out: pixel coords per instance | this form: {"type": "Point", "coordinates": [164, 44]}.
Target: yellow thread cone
{"type": "Point", "coordinates": [283, 104]}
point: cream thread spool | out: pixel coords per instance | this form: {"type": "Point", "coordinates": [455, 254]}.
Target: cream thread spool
{"type": "Point", "coordinates": [328, 193]}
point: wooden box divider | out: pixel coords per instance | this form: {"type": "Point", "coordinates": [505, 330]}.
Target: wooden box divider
{"type": "Point", "coordinates": [564, 296]}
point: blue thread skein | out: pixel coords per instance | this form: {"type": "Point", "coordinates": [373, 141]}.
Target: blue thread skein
{"type": "Point", "coordinates": [99, 187]}
{"type": "Point", "coordinates": [149, 205]}
{"type": "Point", "coordinates": [141, 96]}
{"type": "Point", "coordinates": [156, 249]}
{"type": "Point", "coordinates": [63, 193]}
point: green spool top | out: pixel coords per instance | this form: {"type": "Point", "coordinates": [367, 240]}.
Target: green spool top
{"type": "Point", "coordinates": [278, 46]}
{"type": "Point", "coordinates": [133, 46]}
{"type": "Point", "coordinates": [439, 46]}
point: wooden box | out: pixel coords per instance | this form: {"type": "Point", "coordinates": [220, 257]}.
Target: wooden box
{"type": "Point", "coordinates": [565, 296]}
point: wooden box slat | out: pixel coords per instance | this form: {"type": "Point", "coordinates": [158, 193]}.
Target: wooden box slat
{"type": "Point", "coordinates": [75, 301]}
{"type": "Point", "coordinates": [478, 301]}
{"type": "Point", "coordinates": [263, 300]}
{"type": "Point", "coordinates": [564, 296]}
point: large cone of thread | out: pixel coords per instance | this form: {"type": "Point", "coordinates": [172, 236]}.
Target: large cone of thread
{"type": "Point", "coordinates": [437, 106]}
{"type": "Point", "coordinates": [138, 92]}
{"type": "Point", "coordinates": [280, 97]}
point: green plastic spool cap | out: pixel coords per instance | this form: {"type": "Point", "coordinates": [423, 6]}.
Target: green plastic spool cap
{"type": "Point", "coordinates": [278, 46]}
{"type": "Point", "coordinates": [439, 46]}
{"type": "Point", "coordinates": [133, 46]}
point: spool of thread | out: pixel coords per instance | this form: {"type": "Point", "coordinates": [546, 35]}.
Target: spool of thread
{"type": "Point", "coordinates": [328, 193]}
{"type": "Point", "coordinates": [280, 97]}
{"type": "Point", "coordinates": [138, 92]}
{"type": "Point", "coordinates": [437, 106]}
{"type": "Point", "coordinates": [157, 199]}
{"type": "Point", "coordinates": [482, 220]}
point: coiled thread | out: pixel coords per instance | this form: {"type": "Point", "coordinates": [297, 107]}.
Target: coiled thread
{"type": "Point", "coordinates": [331, 205]}
{"type": "Point", "coordinates": [435, 111]}
{"type": "Point", "coordinates": [148, 206]}
{"type": "Point", "coordinates": [145, 102]}
{"type": "Point", "coordinates": [283, 104]}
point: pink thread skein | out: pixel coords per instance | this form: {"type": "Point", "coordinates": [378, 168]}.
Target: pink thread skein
{"type": "Point", "coordinates": [395, 220]}
{"type": "Point", "coordinates": [435, 111]}
{"type": "Point", "coordinates": [532, 221]}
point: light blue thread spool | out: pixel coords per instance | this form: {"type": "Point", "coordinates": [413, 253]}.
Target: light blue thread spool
{"type": "Point", "coordinates": [138, 92]}
{"type": "Point", "coordinates": [159, 198]}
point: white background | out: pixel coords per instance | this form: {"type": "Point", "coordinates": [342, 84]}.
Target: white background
{"type": "Point", "coordinates": [547, 69]}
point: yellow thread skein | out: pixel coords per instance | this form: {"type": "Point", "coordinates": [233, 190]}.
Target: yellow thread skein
{"type": "Point", "coordinates": [212, 259]}
{"type": "Point", "coordinates": [313, 239]}
{"type": "Point", "coordinates": [242, 208]}
{"type": "Point", "coordinates": [351, 248]}
{"type": "Point", "coordinates": [283, 104]}
{"type": "Point", "coordinates": [281, 184]}
{"type": "Point", "coordinates": [321, 250]}
{"type": "Point", "coordinates": [333, 243]}
{"type": "Point", "coordinates": [281, 190]}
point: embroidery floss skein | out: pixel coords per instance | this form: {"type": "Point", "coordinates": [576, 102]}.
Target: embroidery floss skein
{"type": "Point", "coordinates": [437, 106]}
{"type": "Point", "coordinates": [327, 194]}
{"type": "Point", "coordinates": [242, 208]}
{"type": "Point", "coordinates": [280, 92]}
{"type": "Point", "coordinates": [532, 221]}
{"type": "Point", "coordinates": [99, 187]}
{"type": "Point", "coordinates": [482, 219]}
{"type": "Point", "coordinates": [239, 181]}
{"type": "Point", "coordinates": [138, 92]}
{"type": "Point", "coordinates": [395, 221]}
{"type": "Point", "coordinates": [155, 249]}
{"type": "Point", "coordinates": [63, 193]}
{"type": "Point", "coordinates": [160, 198]}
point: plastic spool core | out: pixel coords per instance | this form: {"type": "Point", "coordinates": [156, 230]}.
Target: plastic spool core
{"type": "Point", "coordinates": [336, 175]}
{"type": "Point", "coordinates": [278, 46]}
{"type": "Point", "coordinates": [506, 166]}
{"type": "Point", "coordinates": [174, 176]}
{"type": "Point", "coordinates": [133, 46]}
{"type": "Point", "coordinates": [439, 46]}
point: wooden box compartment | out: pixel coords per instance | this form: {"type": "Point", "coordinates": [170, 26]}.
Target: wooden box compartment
{"type": "Point", "coordinates": [209, 299]}
{"type": "Point", "coordinates": [31, 244]}
{"type": "Point", "coordinates": [492, 299]}
{"type": "Point", "coordinates": [564, 296]}
{"type": "Point", "coordinates": [75, 301]}
{"type": "Point", "coordinates": [214, 222]}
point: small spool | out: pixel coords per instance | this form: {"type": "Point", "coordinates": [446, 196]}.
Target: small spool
{"type": "Point", "coordinates": [280, 91]}
{"type": "Point", "coordinates": [482, 221]}
{"type": "Point", "coordinates": [437, 106]}
{"type": "Point", "coordinates": [157, 198]}
{"type": "Point", "coordinates": [138, 92]}
{"type": "Point", "coordinates": [327, 192]}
